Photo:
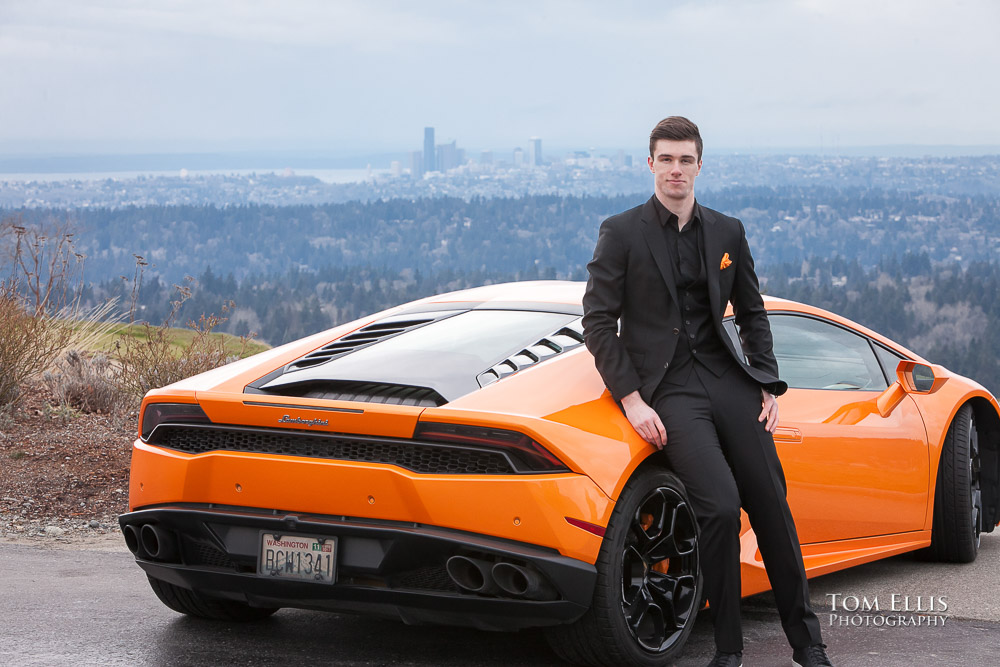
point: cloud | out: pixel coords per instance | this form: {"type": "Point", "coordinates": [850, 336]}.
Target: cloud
{"type": "Point", "coordinates": [373, 74]}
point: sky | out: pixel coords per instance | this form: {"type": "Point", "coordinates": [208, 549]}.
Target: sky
{"type": "Point", "coordinates": [137, 76]}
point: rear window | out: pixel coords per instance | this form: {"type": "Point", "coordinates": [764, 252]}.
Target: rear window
{"type": "Point", "coordinates": [480, 337]}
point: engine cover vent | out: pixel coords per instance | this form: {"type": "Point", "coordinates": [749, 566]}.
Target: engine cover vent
{"type": "Point", "coordinates": [365, 336]}
{"type": "Point", "coordinates": [563, 340]}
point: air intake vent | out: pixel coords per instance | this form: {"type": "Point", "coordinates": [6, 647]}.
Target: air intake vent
{"type": "Point", "coordinates": [567, 338]}
{"type": "Point", "coordinates": [365, 392]}
{"type": "Point", "coordinates": [420, 457]}
{"type": "Point", "coordinates": [365, 336]}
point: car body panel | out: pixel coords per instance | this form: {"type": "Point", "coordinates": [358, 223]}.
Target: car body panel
{"type": "Point", "coordinates": [532, 510]}
{"type": "Point", "coordinates": [860, 465]}
{"type": "Point", "coordinates": [873, 469]}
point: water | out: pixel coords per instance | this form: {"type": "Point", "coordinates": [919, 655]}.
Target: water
{"type": "Point", "coordinates": [325, 175]}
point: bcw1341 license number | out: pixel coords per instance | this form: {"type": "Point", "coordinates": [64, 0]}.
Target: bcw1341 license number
{"type": "Point", "coordinates": [298, 557]}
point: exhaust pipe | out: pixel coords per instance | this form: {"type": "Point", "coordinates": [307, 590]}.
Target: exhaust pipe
{"type": "Point", "coordinates": [472, 574]}
{"type": "Point", "coordinates": [133, 541]}
{"type": "Point", "coordinates": [523, 582]}
{"type": "Point", "coordinates": [158, 543]}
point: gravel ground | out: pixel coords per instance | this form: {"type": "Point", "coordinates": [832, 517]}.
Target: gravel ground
{"type": "Point", "coordinates": [63, 474]}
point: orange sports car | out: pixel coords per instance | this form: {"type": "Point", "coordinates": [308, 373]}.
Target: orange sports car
{"type": "Point", "coordinates": [458, 460]}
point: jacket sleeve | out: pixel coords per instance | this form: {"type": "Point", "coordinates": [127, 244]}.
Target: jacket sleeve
{"type": "Point", "coordinates": [751, 318]}
{"type": "Point", "coordinates": [603, 302]}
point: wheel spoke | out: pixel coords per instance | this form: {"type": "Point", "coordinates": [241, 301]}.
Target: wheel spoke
{"type": "Point", "coordinates": [633, 574]}
{"type": "Point", "coordinates": [663, 588]}
{"type": "Point", "coordinates": [678, 538]}
{"type": "Point", "coordinates": [685, 597]}
{"type": "Point", "coordinates": [636, 611]}
{"type": "Point", "coordinates": [651, 630]}
{"type": "Point", "coordinates": [977, 509]}
{"type": "Point", "coordinates": [650, 517]}
{"type": "Point", "coordinates": [645, 620]}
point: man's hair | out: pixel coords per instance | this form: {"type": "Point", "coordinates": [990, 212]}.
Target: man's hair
{"type": "Point", "coordinates": [675, 128]}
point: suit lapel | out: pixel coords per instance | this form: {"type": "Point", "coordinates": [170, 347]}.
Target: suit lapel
{"type": "Point", "coordinates": [712, 244]}
{"type": "Point", "coordinates": [658, 246]}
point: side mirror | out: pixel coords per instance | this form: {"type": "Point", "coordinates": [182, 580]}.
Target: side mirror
{"type": "Point", "coordinates": [912, 378]}
{"type": "Point", "coordinates": [918, 378]}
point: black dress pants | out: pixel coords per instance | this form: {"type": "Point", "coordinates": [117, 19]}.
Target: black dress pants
{"type": "Point", "coordinates": [726, 459]}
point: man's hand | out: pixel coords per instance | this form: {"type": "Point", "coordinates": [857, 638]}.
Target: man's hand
{"type": "Point", "coordinates": [645, 421]}
{"type": "Point", "coordinates": [770, 410]}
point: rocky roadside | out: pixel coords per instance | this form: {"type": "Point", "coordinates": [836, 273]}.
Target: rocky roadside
{"type": "Point", "coordinates": [63, 473]}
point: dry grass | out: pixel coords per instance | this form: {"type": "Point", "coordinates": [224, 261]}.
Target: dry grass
{"type": "Point", "coordinates": [92, 361]}
{"type": "Point", "coordinates": [150, 356]}
{"type": "Point", "coordinates": [29, 342]}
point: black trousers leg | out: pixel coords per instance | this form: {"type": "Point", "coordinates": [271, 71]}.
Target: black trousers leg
{"type": "Point", "coordinates": [695, 454]}
{"type": "Point", "coordinates": [724, 455]}
{"type": "Point", "coordinates": [761, 483]}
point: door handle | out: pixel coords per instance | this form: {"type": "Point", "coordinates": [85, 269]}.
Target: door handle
{"type": "Point", "coordinates": [787, 434]}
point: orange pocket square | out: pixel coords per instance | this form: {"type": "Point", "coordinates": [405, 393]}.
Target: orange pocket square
{"type": "Point", "coordinates": [724, 264]}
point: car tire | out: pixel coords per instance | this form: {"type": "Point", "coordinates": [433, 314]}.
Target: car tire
{"type": "Point", "coordinates": [648, 580]}
{"type": "Point", "coordinates": [193, 603]}
{"type": "Point", "coordinates": [958, 502]}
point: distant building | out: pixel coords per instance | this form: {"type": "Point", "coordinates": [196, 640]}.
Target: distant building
{"type": "Point", "coordinates": [623, 159]}
{"type": "Point", "coordinates": [535, 152]}
{"type": "Point", "coordinates": [417, 164]}
{"type": "Point", "coordinates": [486, 157]}
{"type": "Point", "coordinates": [448, 156]}
{"type": "Point", "coordinates": [518, 158]}
{"type": "Point", "coordinates": [395, 169]}
{"type": "Point", "coordinates": [430, 163]}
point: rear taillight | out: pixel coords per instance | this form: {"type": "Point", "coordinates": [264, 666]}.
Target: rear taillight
{"type": "Point", "coordinates": [170, 413]}
{"type": "Point", "coordinates": [526, 454]}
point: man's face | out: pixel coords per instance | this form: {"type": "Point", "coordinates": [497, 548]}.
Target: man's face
{"type": "Point", "coordinates": [675, 165]}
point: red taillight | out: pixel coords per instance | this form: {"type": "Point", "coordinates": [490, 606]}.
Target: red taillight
{"type": "Point", "coordinates": [173, 413]}
{"type": "Point", "coordinates": [531, 456]}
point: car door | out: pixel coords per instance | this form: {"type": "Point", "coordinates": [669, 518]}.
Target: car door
{"type": "Point", "coordinates": [850, 472]}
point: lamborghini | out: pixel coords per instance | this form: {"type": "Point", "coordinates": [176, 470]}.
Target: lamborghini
{"type": "Point", "coordinates": [458, 460]}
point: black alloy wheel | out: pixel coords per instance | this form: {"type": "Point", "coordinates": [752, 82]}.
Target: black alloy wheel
{"type": "Point", "coordinates": [659, 569]}
{"type": "Point", "coordinates": [975, 490]}
{"type": "Point", "coordinates": [648, 580]}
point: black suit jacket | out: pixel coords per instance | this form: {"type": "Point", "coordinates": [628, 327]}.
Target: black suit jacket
{"type": "Point", "coordinates": [631, 279]}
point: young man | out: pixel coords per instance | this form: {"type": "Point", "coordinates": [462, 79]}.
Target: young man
{"type": "Point", "coordinates": [667, 269]}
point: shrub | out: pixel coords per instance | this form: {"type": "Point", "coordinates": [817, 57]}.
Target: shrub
{"type": "Point", "coordinates": [29, 341]}
{"type": "Point", "coordinates": [86, 383]}
{"type": "Point", "coordinates": [154, 356]}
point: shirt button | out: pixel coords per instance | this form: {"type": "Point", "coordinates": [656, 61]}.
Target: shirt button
{"type": "Point", "coordinates": [694, 351]}
{"type": "Point", "coordinates": [676, 331]}
{"type": "Point", "coordinates": [687, 322]}
{"type": "Point", "coordinates": [666, 364]}
{"type": "Point", "coordinates": [691, 336]}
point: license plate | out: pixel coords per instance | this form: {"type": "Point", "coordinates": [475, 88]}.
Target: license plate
{"type": "Point", "coordinates": [298, 557]}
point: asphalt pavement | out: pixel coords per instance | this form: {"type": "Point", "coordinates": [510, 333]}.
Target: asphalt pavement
{"type": "Point", "coordinates": [63, 604]}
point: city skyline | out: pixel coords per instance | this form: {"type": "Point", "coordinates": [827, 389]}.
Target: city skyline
{"type": "Point", "coordinates": [349, 77]}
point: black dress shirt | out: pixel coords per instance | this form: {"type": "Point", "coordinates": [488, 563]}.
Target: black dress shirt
{"type": "Point", "coordinates": [699, 340]}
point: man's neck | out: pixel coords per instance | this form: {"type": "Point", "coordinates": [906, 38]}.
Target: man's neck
{"type": "Point", "coordinates": [682, 208]}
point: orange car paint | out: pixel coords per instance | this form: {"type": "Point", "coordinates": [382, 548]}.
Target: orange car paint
{"type": "Point", "coordinates": [863, 453]}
